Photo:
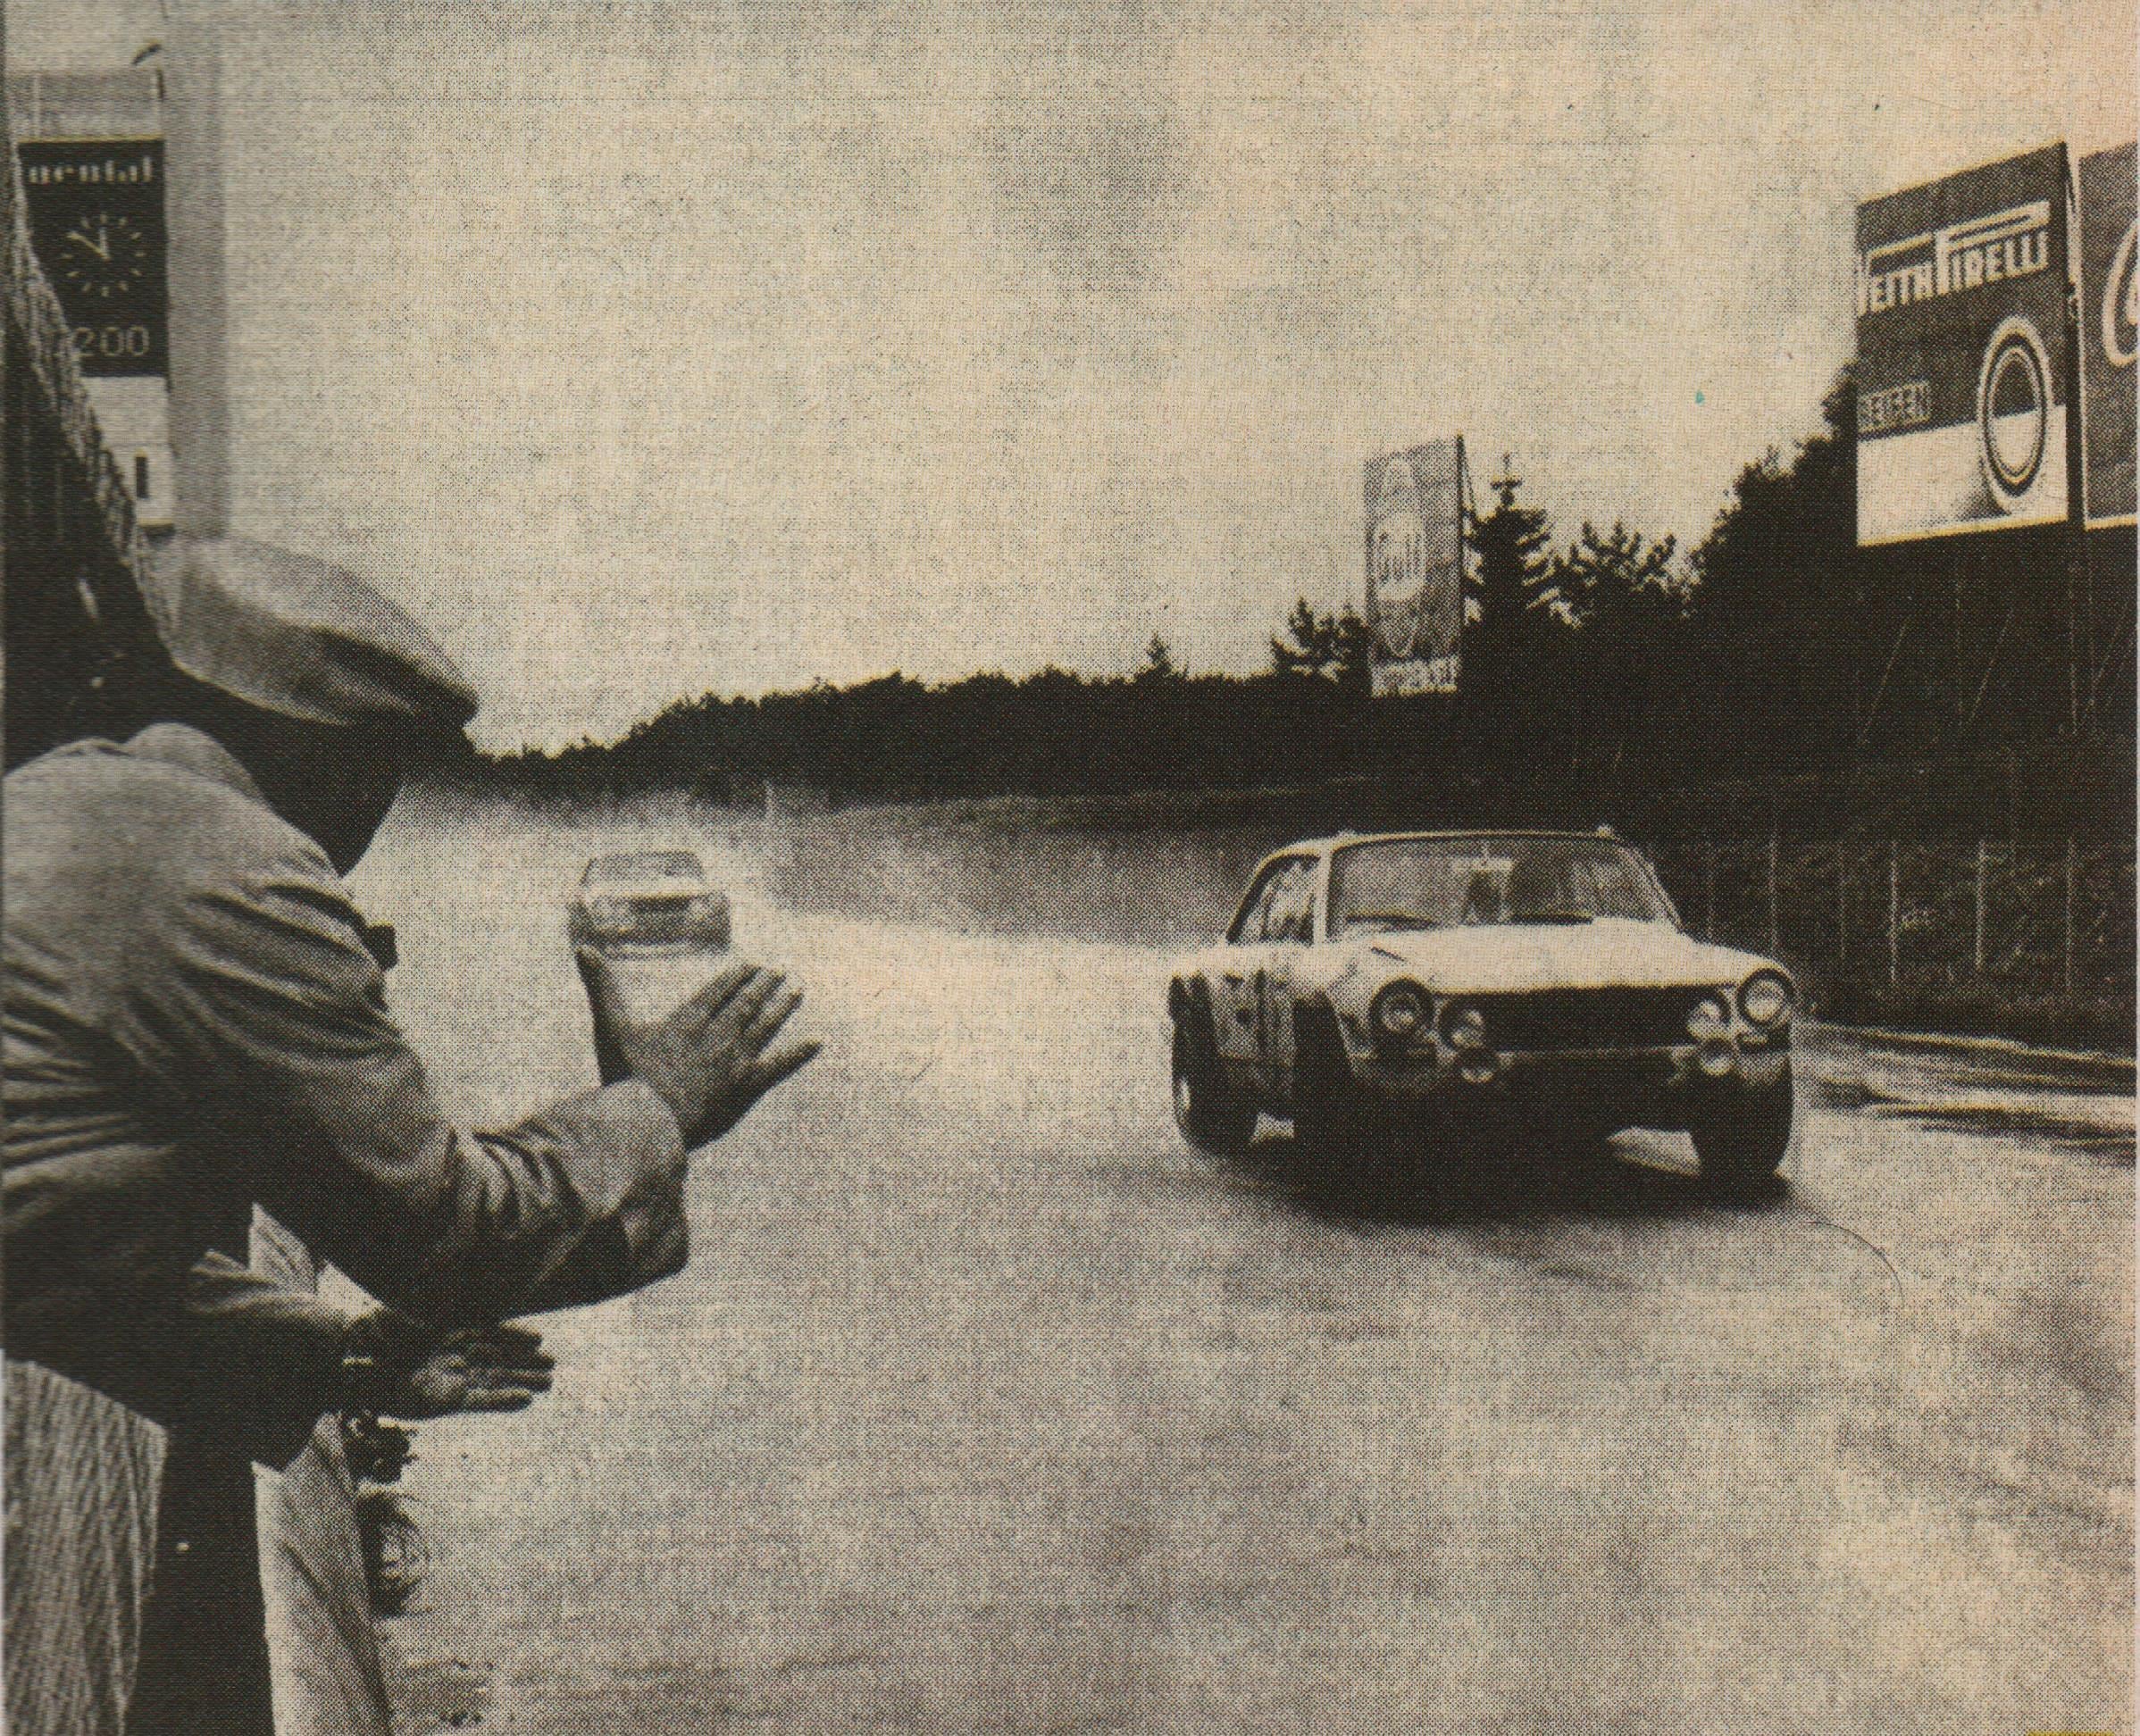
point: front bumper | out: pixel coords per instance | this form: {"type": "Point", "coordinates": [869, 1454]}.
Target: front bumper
{"type": "Point", "coordinates": [639, 946]}
{"type": "Point", "coordinates": [658, 935]}
{"type": "Point", "coordinates": [1669, 1087]}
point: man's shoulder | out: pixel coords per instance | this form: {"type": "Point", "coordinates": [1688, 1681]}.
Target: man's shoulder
{"type": "Point", "coordinates": [172, 823]}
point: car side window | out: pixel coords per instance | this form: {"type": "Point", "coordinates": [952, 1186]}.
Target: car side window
{"type": "Point", "coordinates": [1275, 905]}
{"type": "Point", "coordinates": [1248, 926]}
{"type": "Point", "coordinates": [1290, 914]}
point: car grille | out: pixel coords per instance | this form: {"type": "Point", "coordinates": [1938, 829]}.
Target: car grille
{"type": "Point", "coordinates": [1588, 1018]}
{"type": "Point", "coordinates": [661, 919]}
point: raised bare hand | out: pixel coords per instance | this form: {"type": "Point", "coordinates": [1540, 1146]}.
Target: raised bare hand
{"type": "Point", "coordinates": [713, 1057]}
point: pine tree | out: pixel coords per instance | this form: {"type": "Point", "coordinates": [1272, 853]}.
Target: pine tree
{"type": "Point", "coordinates": [1788, 636]}
{"type": "Point", "coordinates": [1352, 651]}
{"type": "Point", "coordinates": [1314, 647]}
{"type": "Point", "coordinates": [1510, 585]}
{"type": "Point", "coordinates": [1509, 694]}
{"type": "Point", "coordinates": [1158, 662]}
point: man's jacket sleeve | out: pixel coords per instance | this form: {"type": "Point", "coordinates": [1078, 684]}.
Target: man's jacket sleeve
{"type": "Point", "coordinates": [265, 1014]}
{"type": "Point", "coordinates": [261, 1363]}
{"type": "Point", "coordinates": [235, 1357]}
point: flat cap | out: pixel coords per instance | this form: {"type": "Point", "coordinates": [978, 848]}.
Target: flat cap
{"type": "Point", "coordinates": [301, 638]}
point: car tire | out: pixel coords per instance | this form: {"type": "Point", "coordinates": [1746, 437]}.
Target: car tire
{"type": "Point", "coordinates": [1336, 1134]}
{"type": "Point", "coordinates": [1742, 1145]}
{"type": "Point", "coordinates": [1213, 1116]}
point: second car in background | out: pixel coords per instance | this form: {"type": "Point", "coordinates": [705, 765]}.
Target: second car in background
{"type": "Point", "coordinates": [648, 901]}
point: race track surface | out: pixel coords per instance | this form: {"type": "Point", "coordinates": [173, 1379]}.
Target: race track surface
{"type": "Point", "coordinates": [985, 1405]}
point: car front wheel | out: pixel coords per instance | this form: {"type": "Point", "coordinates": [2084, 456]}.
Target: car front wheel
{"type": "Point", "coordinates": [1742, 1143]}
{"type": "Point", "coordinates": [1212, 1115]}
{"type": "Point", "coordinates": [1338, 1134]}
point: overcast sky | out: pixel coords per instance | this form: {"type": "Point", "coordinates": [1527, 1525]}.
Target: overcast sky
{"type": "Point", "coordinates": [646, 349]}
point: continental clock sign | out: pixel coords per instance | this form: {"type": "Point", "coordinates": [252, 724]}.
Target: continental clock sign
{"type": "Point", "coordinates": [97, 222]}
{"type": "Point", "coordinates": [1962, 352]}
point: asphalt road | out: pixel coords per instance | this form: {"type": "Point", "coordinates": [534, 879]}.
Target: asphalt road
{"type": "Point", "coordinates": [985, 1405]}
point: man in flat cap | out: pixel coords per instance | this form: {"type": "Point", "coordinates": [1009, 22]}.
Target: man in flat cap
{"type": "Point", "coordinates": [195, 1026]}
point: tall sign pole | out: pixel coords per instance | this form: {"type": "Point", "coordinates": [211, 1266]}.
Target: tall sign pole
{"type": "Point", "coordinates": [200, 415]}
{"type": "Point", "coordinates": [2080, 607]}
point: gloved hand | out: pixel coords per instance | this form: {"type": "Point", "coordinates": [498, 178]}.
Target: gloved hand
{"type": "Point", "coordinates": [398, 1367]}
{"type": "Point", "coordinates": [708, 1060]}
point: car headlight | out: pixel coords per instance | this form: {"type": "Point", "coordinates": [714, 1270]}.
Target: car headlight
{"type": "Point", "coordinates": [703, 906]}
{"type": "Point", "coordinates": [611, 913]}
{"type": "Point", "coordinates": [1765, 998]}
{"type": "Point", "coordinates": [1401, 1010]}
{"type": "Point", "coordinates": [1711, 1017]}
{"type": "Point", "coordinates": [1463, 1027]}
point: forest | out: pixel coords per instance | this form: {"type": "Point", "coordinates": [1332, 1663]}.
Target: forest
{"type": "Point", "coordinates": [1981, 682]}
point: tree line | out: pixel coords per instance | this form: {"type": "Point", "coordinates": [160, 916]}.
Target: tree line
{"type": "Point", "coordinates": [1597, 670]}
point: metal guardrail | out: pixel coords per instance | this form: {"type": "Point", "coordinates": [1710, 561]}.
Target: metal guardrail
{"type": "Point", "coordinates": [2025, 916]}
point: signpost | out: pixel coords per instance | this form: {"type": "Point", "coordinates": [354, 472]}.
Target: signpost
{"type": "Point", "coordinates": [1414, 552]}
{"type": "Point", "coordinates": [90, 151]}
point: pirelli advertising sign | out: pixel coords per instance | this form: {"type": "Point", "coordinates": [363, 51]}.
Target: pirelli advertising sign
{"type": "Point", "coordinates": [1962, 352]}
{"type": "Point", "coordinates": [1414, 589]}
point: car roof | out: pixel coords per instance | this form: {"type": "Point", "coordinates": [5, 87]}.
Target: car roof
{"type": "Point", "coordinates": [1321, 847]}
{"type": "Point", "coordinates": [669, 861]}
{"type": "Point", "coordinates": [1324, 846]}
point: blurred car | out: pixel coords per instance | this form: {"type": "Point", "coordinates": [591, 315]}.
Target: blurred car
{"type": "Point", "coordinates": [1380, 988]}
{"type": "Point", "coordinates": [648, 901]}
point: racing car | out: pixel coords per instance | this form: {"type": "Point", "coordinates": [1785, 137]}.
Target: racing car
{"type": "Point", "coordinates": [647, 901]}
{"type": "Point", "coordinates": [1382, 992]}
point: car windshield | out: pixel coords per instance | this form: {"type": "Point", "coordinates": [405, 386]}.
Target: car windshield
{"type": "Point", "coordinates": [1450, 882]}
{"type": "Point", "coordinates": [649, 864]}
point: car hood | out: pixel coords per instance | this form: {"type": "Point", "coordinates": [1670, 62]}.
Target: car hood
{"type": "Point", "coordinates": [1610, 953]}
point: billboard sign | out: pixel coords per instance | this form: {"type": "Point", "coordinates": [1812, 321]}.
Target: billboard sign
{"type": "Point", "coordinates": [1962, 352]}
{"type": "Point", "coordinates": [2108, 300]}
{"type": "Point", "coordinates": [1415, 501]}
{"type": "Point", "coordinates": [95, 210]}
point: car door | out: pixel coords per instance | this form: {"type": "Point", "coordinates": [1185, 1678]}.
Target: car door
{"type": "Point", "coordinates": [1234, 992]}
{"type": "Point", "coordinates": [1289, 928]}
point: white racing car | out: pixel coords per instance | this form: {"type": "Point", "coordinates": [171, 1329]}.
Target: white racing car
{"type": "Point", "coordinates": [1381, 989]}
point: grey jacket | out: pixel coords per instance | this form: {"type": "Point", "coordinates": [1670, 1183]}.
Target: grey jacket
{"type": "Point", "coordinates": [194, 1026]}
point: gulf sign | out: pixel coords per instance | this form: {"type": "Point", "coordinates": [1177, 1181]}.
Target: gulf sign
{"type": "Point", "coordinates": [1415, 514]}
{"type": "Point", "coordinates": [2108, 302]}
{"type": "Point", "coordinates": [1962, 352]}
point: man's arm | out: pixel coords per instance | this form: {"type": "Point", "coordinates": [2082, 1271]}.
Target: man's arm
{"type": "Point", "coordinates": [237, 1358]}
{"type": "Point", "coordinates": [264, 1014]}
{"type": "Point", "coordinates": [252, 1363]}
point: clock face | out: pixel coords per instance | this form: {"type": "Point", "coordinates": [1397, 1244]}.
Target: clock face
{"type": "Point", "coordinates": [104, 255]}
